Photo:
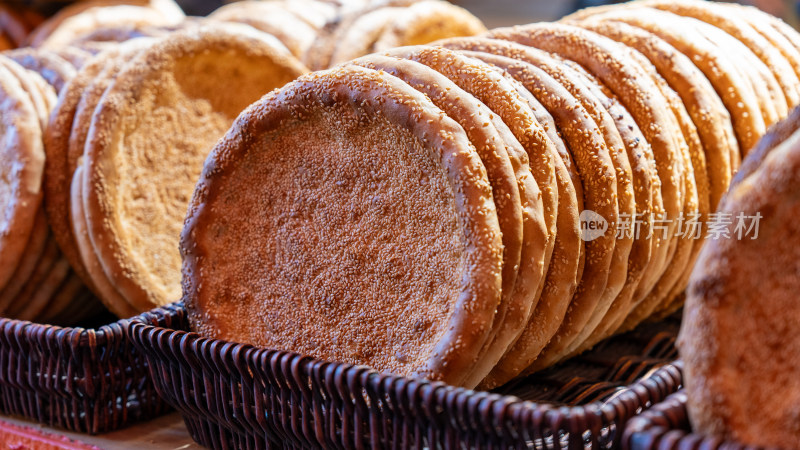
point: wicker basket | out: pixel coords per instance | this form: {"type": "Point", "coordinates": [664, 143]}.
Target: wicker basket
{"type": "Point", "coordinates": [86, 380]}
{"type": "Point", "coordinates": [666, 427]}
{"type": "Point", "coordinates": [238, 396]}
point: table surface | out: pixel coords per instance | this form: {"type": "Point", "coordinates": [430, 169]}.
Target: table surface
{"type": "Point", "coordinates": [164, 433]}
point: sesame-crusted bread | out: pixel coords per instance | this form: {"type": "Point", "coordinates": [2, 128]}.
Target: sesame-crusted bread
{"type": "Point", "coordinates": [345, 216]}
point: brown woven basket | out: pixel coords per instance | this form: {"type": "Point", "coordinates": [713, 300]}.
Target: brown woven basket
{"type": "Point", "coordinates": [666, 426]}
{"type": "Point", "coordinates": [238, 396]}
{"type": "Point", "coordinates": [86, 380]}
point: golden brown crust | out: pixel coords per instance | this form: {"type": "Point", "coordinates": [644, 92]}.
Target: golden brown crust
{"type": "Point", "coordinates": [74, 56]}
{"type": "Point", "coordinates": [763, 24]}
{"type": "Point", "coordinates": [54, 69]}
{"type": "Point", "coordinates": [40, 297]}
{"type": "Point", "coordinates": [502, 99]}
{"type": "Point", "coordinates": [647, 191]}
{"type": "Point", "coordinates": [319, 55]}
{"type": "Point", "coordinates": [439, 333]}
{"type": "Point", "coordinates": [104, 289]}
{"type": "Point", "coordinates": [537, 131]}
{"type": "Point", "coordinates": [595, 167]}
{"type": "Point", "coordinates": [33, 251]}
{"type": "Point", "coordinates": [31, 83]}
{"type": "Point", "coordinates": [133, 238]}
{"type": "Point", "coordinates": [727, 20]}
{"type": "Point", "coordinates": [57, 177]}
{"type": "Point", "coordinates": [43, 266]}
{"type": "Point", "coordinates": [591, 100]}
{"type": "Point", "coordinates": [362, 34]}
{"type": "Point", "coordinates": [734, 90]}
{"type": "Point", "coordinates": [497, 148]}
{"type": "Point", "coordinates": [609, 62]}
{"type": "Point", "coordinates": [73, 28]}
{"type": "Point", "coordinates": [739, 351]}
{"type": "Point", "coordinates": [616, 148]}
{"type": "Point", "coordinates": [695, 207]}
{"type": "Point", "coordinates": [271, 17]}
{"type": "Point", "coordinates": [22, 158]}
{"type": "Point", "coordinates": [426, 21]}
{"type": "Point", "coordinates": [708, 113]}
{"type": "Point", "coordinates": [768, 92]}
{"type": "Point", "coordinates": [166, 8]}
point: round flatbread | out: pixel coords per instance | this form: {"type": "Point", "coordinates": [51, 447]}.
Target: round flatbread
{"type": "Point", "coordinates": [595, 167]}
{"type": "Point", "coordinates": [537, 131]}
{"type": "Point", "coordinates": [39, 298]}
{"type": "Point", "coordinates": [427, 21]}
{"type": "Point", "coordinates": [734, 89]}
{"type": "Point", "coordinates": [513, 189]}
{"type": "Point", "coordinates": [270, 17]}
{"type": "Point", "coordinates": [53, 68]}
{"type": "Point", "coordinates": [320, 53]}
{"type": "Point", "coordinates": [167, 8]}
{"type": "Point", "coordinates": [104, 289]}
{"type": "Point", "coordinates": [74, 28]}
{"type": "Point", "coordinates": [74, 56]}
{"type": "Point", "coordinates": [22, 157]}
{"type": "Point", "coordinates": [316, 13]}
{"type": "Point", "coordinates": [32, 84]}
{"type": "Point", "coordinates": [137, 179]}
{"type": "Point", "coordinates": [33, 251]}
{"type": "Point", "coordinates": [768, 92]}
{"type": "Point", "coordinates": [738, 349]}
{"type": "Point", "coordinates": [376, 270]}
{"type": "Point", "coordinates": [43, 266]}
{"type": "Point", "coordinates": [763, 24]}
{"type": "Point", "coordinates": [647, 189]}
{"type": "Point", "coordinates": [360, 37]}
{"type": "Point", "coordinates": [592, 100]}
{"type": "Point", "coordinates": [57, 176]}
{"type": "Point", "coordinates": [695, 209]}
{"type": "Point", "coordinates": [708, 113]}
{"type": "Point", "coordinates": [727, 20]}
{"type": "Point", "coordinates": [502, 97]}
{"type": "Point", "coordinates": [610, 63]}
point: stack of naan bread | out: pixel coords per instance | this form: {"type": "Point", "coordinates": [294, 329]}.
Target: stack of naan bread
{"type": "Point", "coordinates": [322, 33]}
{"type": "Point", "coordinates": [110, 108]}
{"type": "Point", "coordinates": [482, 208]}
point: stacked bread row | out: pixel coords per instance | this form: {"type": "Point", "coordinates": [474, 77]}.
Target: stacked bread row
{"type": "Point", "coordinates": [112, 228]}
{"type": "Point", "coordinates": [126, 143]}
{"type": "Point", "coordinates": [318, 32]}
{"type": "Point", "coordinates": [483, 208]}
{"type": "Point", "coordinates": [36, 282]}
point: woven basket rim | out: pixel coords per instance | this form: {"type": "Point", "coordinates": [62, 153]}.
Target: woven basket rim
{"type": "Point", "coordinates": [138, 327]}
{"type": "Point", "coordinates": [665, 426]}
{"type": "Point", "coordinates": [76, 334]}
